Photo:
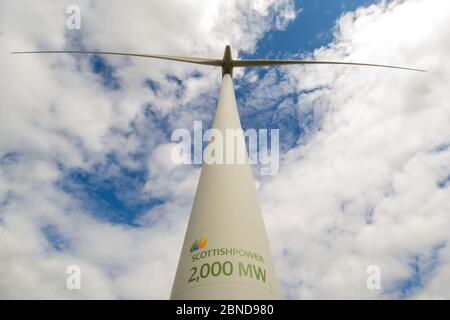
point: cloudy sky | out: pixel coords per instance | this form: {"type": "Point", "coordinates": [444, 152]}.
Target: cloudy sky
{"type": "Point", "coordinates": [85, 171]}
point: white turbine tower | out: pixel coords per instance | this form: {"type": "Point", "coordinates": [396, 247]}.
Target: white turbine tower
{"type": "Point", "coordinates": [226, 253]}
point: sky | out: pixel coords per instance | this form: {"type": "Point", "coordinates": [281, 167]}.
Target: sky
{"type": "Point", "coordinates": [85, 171]}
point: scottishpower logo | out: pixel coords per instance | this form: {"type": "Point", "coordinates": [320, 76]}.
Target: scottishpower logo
{"type": "Point", "coordinates": [199, 244]}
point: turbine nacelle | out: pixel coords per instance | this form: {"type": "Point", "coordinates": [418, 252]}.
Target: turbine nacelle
{"type": "Point", "coordinates": [227, 62]}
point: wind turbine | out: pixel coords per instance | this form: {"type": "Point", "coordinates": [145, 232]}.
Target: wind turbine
{"type": "Point", "coordinates": [225, 254]}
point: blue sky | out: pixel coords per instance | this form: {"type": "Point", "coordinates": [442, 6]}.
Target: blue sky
{"type": "Point", "coordinates": [311, 29]}
{"type": "Point", "coordinates": [112, 198]}
{"type": "Point", "coordinates": [85, 176]}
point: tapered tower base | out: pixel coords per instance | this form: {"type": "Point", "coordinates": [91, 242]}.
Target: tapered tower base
{"type": "Point", "coordinates": [226, 253]}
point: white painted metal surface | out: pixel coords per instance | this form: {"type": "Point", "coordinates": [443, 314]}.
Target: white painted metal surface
{"type": "Point", "coordinates": [232, 259]}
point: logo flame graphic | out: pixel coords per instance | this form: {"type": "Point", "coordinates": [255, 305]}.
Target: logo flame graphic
{"type": "Point", "coordinates": [199, 244]}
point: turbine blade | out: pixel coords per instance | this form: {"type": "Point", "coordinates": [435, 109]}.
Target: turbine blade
{"type": "Point", "coordinates": [196, 60]}
{"type": "Point", "coordinates": [262, 63]}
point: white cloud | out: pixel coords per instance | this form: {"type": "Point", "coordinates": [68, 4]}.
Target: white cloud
{"type": "Point", "coordinates": [364, 190]}
{"type": "Point", "coordinates": [56, 115]}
